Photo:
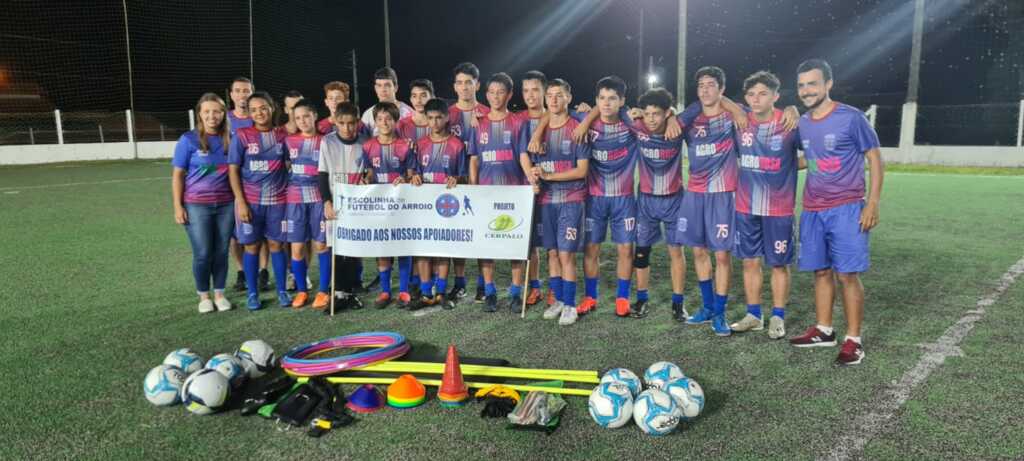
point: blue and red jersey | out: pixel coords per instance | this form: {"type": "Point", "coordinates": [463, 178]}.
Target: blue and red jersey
{"type": "Point", "coordinates": [235, 122]}
{"type": "Point", "coordinates": [834, 147]}
{"type": "Point", "coordinates": [206, 171]}
{"type": "Point", "coordinates": [660, 165]}
{"type": "Point", "coordinates": [497, 144]}
{"type": "Point", "coordinates": [460, 120]}
{"type": "Point", "coordinates": [768, 164]}
{"type": "Point", "coordinates": [389, 161]}
{"type": "Point", "coordinates": [440, 160]}
{"type": "Point", "coordinates": [711, 150]}
{"type": "Point", "coordinates": [261, 158]}
{"type": "Point", "coordinates": [562, 154]}
{"type": "Point", "coordinates": [408, 129]}
{"type": "Point", "coordinates": [304, 155]}
{"type": "Point", "coordinates": [613, 159]}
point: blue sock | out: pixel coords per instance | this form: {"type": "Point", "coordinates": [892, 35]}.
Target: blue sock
{"type": "Point", "coordinates": [279, 261]}
{"type": "Point", "coordinates": [251, 266]}
{"type": "Point", "coordinates": [480, 280]}
{"type": "Point", "coordinates": [779, 312]}
{"type": "Point", "coordinates": [590, 286]}
{"type": "Point", "coordinates": [678, 298]}
{"type": "Point", "coordinates": [535, 283]}
{"type": "Point", "coordinates": [299, 270]}
{"type": "Point", "coordinates": [569, 293]}
{"type": "Point", "coordinates": [641, 295]}
{"type": "Point", "coordinates": [460, 282]}
{"type": "Point", "coordinates": [414, 280]}
{"type": "Point", "coordinates": [385, 281]}
{"type": "Point", "coordinates": [489, 289]}
{"type": "Point", "coordinates": [404, 271]}
{"type": "Point", "coordinates": [623, 290]}
{"type": "Point", "coordinates": [359, 271]}
{"type": "Point", "coordinates": [707, 294]}
{"type": "Point", "coordinates": [442, 285]}
{"type": "Point", "coordinates": [754, 309]}
{"type": "Point", "coordinates": [427, 289]}
{"type": "Point", "coordinates": [556, 284]}
{"type": "Point", "coordinates": [720, 303]}
{"type": "Point", "coordinates": [515, 290]}
{"type": "Point", "coordinates": [325, 271]}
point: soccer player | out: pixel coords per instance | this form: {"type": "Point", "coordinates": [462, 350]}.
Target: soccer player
{"type": "Point", "coordinates": [494, 161]}
{"type": "Point", "coordinates": [304, 215]}
{"type": "Point", "coordinates": [462, 117]}
{"type": "Point", "coordinates": [561, 176]}
{"type": "Point", "coordinates": [241, 88]}
{"type": "Point", "coordinates": [534, 84]}
{"type": "Point", "coordinates": [390, 159]}
{"type": "Point", "coordinates": [334, 93]}
{"type": "Point", "coordinates": [341, 161]}
{"type": "Point", "coordinates": [202, 199]}
{"type": "Point", "coordinates": [415, 127]}
{"type": "Point", "coordinates": [259, 178]}
{"type": "Point", "coordinates": [385, 85]}
{"type": "Point", "coordinates": [440, 157]}
{"type": "Point", "coordinates": [836, 220]}
{"type": "Point", "coordinates": [765, 196]}
{"type": "Point", "coordinates": [290, 98]}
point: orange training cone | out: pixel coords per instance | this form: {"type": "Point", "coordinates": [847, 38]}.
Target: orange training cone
{"type": "Point", "coordinates": [453, 391]}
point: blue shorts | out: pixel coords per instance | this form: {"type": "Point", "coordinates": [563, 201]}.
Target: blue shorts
{"type": "Point", "coordinates": [619, 212]}
{"type": "Point", "coordinates": [832, 239]}
{"type": "Point", "coordinates": [305, 222]}
{"type": "Point", "coordinates": [770, 237]}
{"type": "Point", "coordinates": [562, 223]}
{"type": "Point", "coordinates": [652, 212]}
{"type": "Point", "coordinates": [707, 220]}
{"type": "Point", "coordinates": [265, 222]}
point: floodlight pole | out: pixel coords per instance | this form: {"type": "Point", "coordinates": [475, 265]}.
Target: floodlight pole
{"type": "Point", "coordinates": [387, 36]}
{"type": "Point", "coordinates": [252, 72]}
{"type": "Point", "coordinates": [915, 52]}
{"type": "Point", "coordinates": [131, 88]}
{"type": "Point", "coordinates": [640, 54]}
{"type": "Point", "coordinates": [681, 58]}
{"type": "Point", "coordinates": [355, 80]}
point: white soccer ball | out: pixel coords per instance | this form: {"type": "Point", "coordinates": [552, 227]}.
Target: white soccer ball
{"type": "Point", "coordinates": [623, 376]}
{"type": "Point", "coordinates": [660, 373]}
{"type": "Point", "coordinates": [656, 412]}
{"type": "Point", "coordinates": [184, 359]}
{"type": "Point", "coordinates": [205, 392]}
{"type": "Point", "coordinates": [257, 357]}
{"type": "Point", "coordinates": [611, 404]}
{"type": "Point", "coordinates": [229, 366]}
{"type": "Point", "coordinates": [163, 385]}
{"type": "Point", "coordinates": [688, 395]}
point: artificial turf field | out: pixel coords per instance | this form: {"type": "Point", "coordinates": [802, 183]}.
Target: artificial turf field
{"type": "Point", "coordinates": [96, 288]}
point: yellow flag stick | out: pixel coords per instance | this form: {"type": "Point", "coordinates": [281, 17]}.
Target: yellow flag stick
{"type": "Point", "coordinates": [437, 383]}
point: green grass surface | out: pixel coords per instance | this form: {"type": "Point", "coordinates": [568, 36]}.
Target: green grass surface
{"type": "Point", "coordinates": [96, 288]}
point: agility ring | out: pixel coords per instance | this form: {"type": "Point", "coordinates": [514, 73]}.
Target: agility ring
{"type": "Point", "coordinates": [386, 346]}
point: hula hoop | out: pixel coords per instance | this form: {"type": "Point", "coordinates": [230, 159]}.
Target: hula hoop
{"type": "Point", "coordinates": [386, 346]}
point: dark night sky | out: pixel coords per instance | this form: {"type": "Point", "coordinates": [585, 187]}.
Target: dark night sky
{"type": "Point", "coordinates": [75, 55]}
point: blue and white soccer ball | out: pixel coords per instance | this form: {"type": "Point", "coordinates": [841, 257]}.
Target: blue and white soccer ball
{"type": "Point", "coordinates": [660, 373]}
{"type": "Point", "coordinates": [229, 366]}
{"type": "Point", "coordinates": [184, 359]}
{"type": "Point", "coordinates": [688, 395]}
{"type": "Point", "coordinates": [163, 385]}
{"type": "Point", "coordinates": [656, 412]}
{"type": "Point", "coordinates": [611, 404]}
{"type": "Point", "coordinates": [205, 392]}
{"type": "Point", "coordinates": [257, 357]}
{"type": "Point", "coordinates": [623, 376]}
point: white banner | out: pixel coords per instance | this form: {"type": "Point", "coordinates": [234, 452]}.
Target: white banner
{"type": "Point", "coordinates": [491, 222]}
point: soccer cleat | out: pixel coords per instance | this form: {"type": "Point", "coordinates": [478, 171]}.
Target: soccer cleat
{"type": "Point", "coordinates": [206, 306]}
{"type": "Point", "coordinates": [300, 299]}
{"type": "Point", "coordinates": [382, 300]}
{"type": "Point", "coordinates": [589, 304]}
{"type": "Point", "coordinates": [814, 337]}
{"type": "Point", "coordinates": [480, 295]}
{"type": "Point", "coordinates": [776, 327]}
{"type": "Point", "coordinates": [443, 301]}
{"type": "Point", "coordinates": [491, 303]}
{"type": "Point", "coordinates": [404, 300]}
{"type": "Point", "coordinates": [702, 316]}
{"type": "Point", "coordinates": [533, 297]}
{"type": "Point", "coordinates": [421, 302]}
{"type": "Point", "coordinates": [354, 303]}
{"type": "Point", "coordinates": [553, 311]}
{"type": "Point", "coordinates": [264, 278]}
{"type": "Point", "coordinates": [414, 291]}
{"type": "Point", "coordinates": [851, 353]}
{"type": "Point", "coordinates": [222, 304]}
{"type": "Point", "coordinates": [622, 307]}
{"type": "Point", "coordinates": [240, 281]}
{"type": "Point", "coordinates": [253, 302]}
{"type": "Point", "coordinates": [638, 310]}
{"type": "Point", "coordinates": [515, 304]}
{"type": "Point", "coordinates": [289, 282]}
{"type": "Point", "coordinates": [551, 298]}
{"type": "Point", "coordinates": [457, 295]}
{"type": "Point", "coordinates": [284, 299]}
{"type": "Point", "coordinates": [720, 326]}
{"type": "Point", "coordinates": [679, 312]}
{"type": "Point", "coordinates": [322, 301]}
{"type": "Point", "coordinates": [568, 316]}
{"type": "Point", "coordinates": [748, 323]}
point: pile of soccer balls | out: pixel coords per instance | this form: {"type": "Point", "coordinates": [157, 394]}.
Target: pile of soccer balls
{"type": "Point", "coordinates": [670, 397]}
{"type": "Point", "coordinates": [204, 389]}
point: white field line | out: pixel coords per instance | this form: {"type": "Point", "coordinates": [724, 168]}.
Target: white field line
{"type": "Point", "coordinates": [73, 184]}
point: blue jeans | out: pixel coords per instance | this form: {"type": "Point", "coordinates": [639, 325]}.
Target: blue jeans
{"type": "Point", "coordinates": [209, 231]}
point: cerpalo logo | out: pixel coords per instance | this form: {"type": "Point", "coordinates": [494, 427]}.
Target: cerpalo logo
{"type": "Point", "coordinates": [504, 225]}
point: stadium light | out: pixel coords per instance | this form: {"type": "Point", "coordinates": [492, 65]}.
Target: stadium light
{"type": "Point", "coordinates": [652, 79]}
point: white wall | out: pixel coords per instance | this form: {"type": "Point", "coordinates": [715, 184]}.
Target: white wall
{"type": "Point", "coordinates": [54, 153]}
{"type": "Point", "coordinates": [984, 156]}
